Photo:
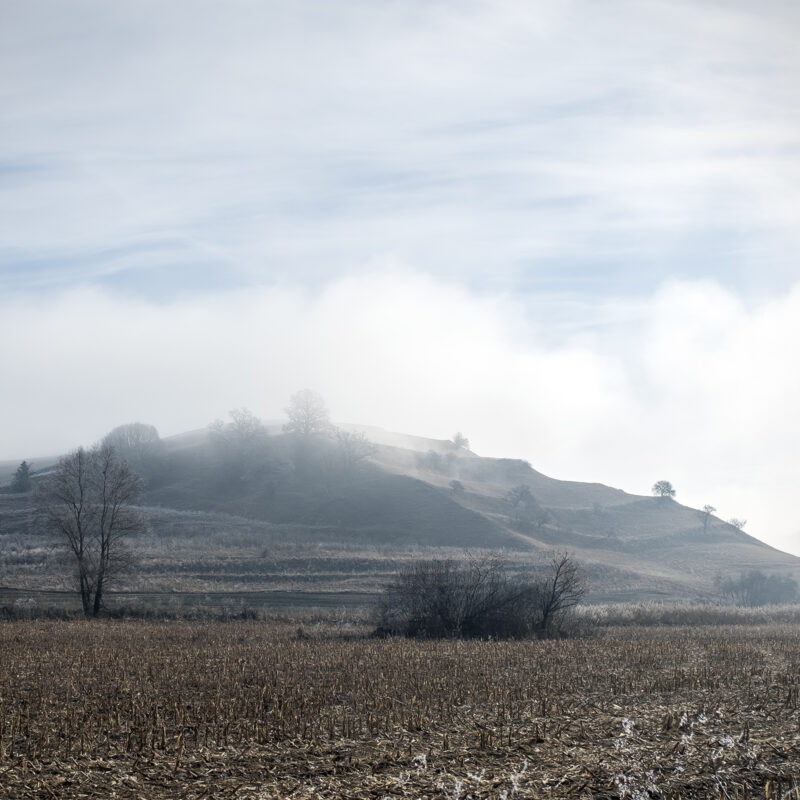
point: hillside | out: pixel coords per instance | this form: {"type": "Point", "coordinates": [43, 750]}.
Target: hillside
{"type": "Point", "coordinates": [323, 514]}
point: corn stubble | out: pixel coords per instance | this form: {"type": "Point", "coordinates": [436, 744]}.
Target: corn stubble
{"type": "Point", "coordinates": [248, 710]}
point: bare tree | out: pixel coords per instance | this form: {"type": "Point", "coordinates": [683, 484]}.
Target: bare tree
{"type": "Point", "coordinates": [480, 598]}
{"type": "Point", "coordinates": [245, 427]}
{"type": "Point", "coordinates": [241, 444]}
{"type": "Point", "coordinates": [737, 523]}
{"type": "Point", "coordinates": [135, 441]}
{"type": "Point", "coordinates": [307, 414]}
{"type": "Point", "coordinates": [245, 431]}
{"type": "Point", "coordinates": [88, 500]}
{"type": "Point", "coordinates": [708, 510]}
{"type": "Point", "coordinates": [663, 489]}
{"type": "Point", "coordinates": [561, 588]}
{"type": "Point", "coordinates": [353, 448]}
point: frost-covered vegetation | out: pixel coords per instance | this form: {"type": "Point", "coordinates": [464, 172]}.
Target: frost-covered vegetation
{"type": "Point", "coordinates": [161, 710]}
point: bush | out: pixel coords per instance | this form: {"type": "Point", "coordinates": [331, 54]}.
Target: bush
{"type": "Point", "coordinates": [754, 588]}
{"type": "Point", "coordinates": [480, 599]}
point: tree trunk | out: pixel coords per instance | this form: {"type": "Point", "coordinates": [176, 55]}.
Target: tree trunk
{"type": "Point", "coordinates": [98, 597]}
{"type": "Point", "coordinates": [86, 594]}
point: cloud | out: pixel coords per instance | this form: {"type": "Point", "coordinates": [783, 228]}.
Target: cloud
{"type": "Point", "coordinates": [496, 143]}
{"type": "Point", "coordinates": [688, 384]}
{"type": "Point", "coordinates": [598, 201]}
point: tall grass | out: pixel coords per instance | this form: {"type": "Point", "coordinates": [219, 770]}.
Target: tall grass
{"type": "Point", "coordinates": [671, 614]}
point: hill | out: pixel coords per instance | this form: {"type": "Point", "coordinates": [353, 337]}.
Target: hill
{"type": "Point", "coordinates": [341, 513]}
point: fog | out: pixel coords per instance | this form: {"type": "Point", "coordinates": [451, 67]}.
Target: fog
{"type": "Point", "coordinates": [686, 384]}
{"type": "Point", "coordinates": [569, 230]}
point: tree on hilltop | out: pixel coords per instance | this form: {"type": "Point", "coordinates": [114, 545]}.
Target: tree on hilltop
{"type": "Point", "coordinates": [241, 444]}
{"type": "Point", "coordinates": [308, 415]}
{"type": "Point", "coordinates": [460, 441]}
{"type": "Point", "coordinates": [135, 442]}
{"type": "Point", "coordinates": [663, 489]}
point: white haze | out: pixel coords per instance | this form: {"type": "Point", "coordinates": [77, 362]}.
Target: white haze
{"type": "Point", "coordinates": [686, 384]}
{"type": "Point", "coordinates": [569, 229]}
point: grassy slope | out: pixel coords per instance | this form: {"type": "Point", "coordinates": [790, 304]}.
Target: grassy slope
{"type": "Point", "coordinates": [280, 521]}
{"type": "Point", "coordinates": [642, 547]}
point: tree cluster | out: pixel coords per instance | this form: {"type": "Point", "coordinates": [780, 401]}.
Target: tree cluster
{"type": "Point", "coordinates": [240, 445]}
{"type": "Point", "coordinates": [755, 588]}
{"type": "Point", "coordinates": [314, 454]}
{"type": "Point", "coordinates": [481, 599]}
{"type": "Point", "coordinates": [460, 441]}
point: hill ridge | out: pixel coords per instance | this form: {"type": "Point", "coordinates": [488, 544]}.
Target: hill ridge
{"type": "Point", "coordinates": [248, 518]}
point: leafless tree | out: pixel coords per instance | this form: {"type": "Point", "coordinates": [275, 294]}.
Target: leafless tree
{"type": "Point", "coordinates": [244, 433]}
{"type": "Point", "coordinates": [708, 510]}
{"type": "Point", "coordinates": [307, 414]}
{"type": "Point", "coordinates": [481, 598]}
{"type": "Point", "coordinates": [353, 448]}
{"type": "Point", "coordinates": [245, 427]}
{"type": "Point", "coordinates": [560, 588]}
{"type": "Point", "coordinates": [737, 523]}
{"type": "Point", "coordinates": [241, 444]}
{"type": "Point", "coordinates": [135, 442]}
{"type": "Point", "coordinates": [88, 500]}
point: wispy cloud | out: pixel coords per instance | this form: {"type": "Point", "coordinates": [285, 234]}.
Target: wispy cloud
{"type": "Point", "coordinates": [640, 139]}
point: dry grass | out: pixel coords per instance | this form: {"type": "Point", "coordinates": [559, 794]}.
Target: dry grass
{"type": "Point", "coordinates": [248, 710]}
{"type": "Point", "coordinates": [686, 614]}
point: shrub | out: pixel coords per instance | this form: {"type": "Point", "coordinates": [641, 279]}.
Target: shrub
{"type": "Point", "coordinates": [755, 588]}
{"type": "Point", "coordinates": [480, 599]}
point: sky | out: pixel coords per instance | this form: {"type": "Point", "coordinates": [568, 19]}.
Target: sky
{"type": "Point", "coordinates": [568, 229]}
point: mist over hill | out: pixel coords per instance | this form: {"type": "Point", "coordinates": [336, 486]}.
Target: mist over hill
{"type": "Point", "coordinates": [256, 509]}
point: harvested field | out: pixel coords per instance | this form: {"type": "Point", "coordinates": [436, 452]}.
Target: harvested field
{"type": "Point", "coordinates": [250, 710]}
